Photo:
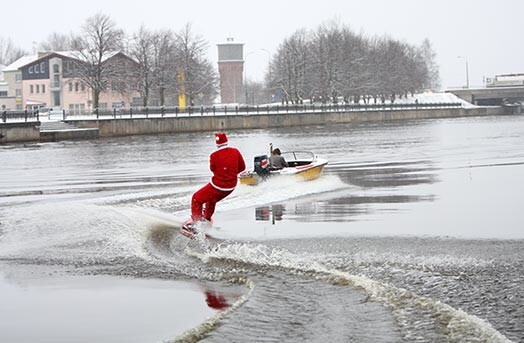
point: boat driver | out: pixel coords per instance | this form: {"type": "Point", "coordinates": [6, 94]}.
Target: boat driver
{"type": "Point", "coordinates": [276, 160]}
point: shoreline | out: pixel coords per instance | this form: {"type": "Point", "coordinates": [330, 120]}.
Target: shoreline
{"type": "Point", "coordinates": [83, 128]}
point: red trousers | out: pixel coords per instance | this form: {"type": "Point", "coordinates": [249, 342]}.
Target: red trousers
{"type": "Point", "coordinates": [206, 197]}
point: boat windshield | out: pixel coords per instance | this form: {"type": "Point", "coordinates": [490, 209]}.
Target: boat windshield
{"type": "Point", "coordinates": [298, 156]}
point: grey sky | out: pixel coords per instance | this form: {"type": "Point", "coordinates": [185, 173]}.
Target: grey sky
{"type": "Point", "coordinates": [487, 32]}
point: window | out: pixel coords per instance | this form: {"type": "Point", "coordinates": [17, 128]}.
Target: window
{"type": "Point", "coordinates": [19, 106]}
{"type": "Point", "coordinates": [42, 67]}
{"type": "Point", "coordinates": [83, 87]}
{"type": "Point", "coordinates": [3, 93]}
{"type": "Point", "coordinates": [37, 68]}
{"type": "Point", "coordinates": [18, 77]}
{"type": "Point", "coordinates": [18, 92]}
{"type": "Point", "coordinates": [102, 105]}
{"type": "Point", "coordinates": [31, 70]}
{"type": "Point", "coordinates": [76, 108]}
{"type": "Point", "coordinates": [43, 88]}
{"type": "Point", "coordinates": [31, 89]}
{"type": "Point", "coordinates": [38, 88]}
{"type": "Point", "coordinates": [70, 86]}
{"type": "Point", "coordinates": [56, 68]}
{"type": "Point", "coordinates": [76, 86]}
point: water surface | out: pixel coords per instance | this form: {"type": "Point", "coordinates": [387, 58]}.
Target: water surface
{"type": "Point", "coordinates": [413, 233]}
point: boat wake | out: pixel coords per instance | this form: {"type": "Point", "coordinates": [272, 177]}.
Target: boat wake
{"type": "Point", "coordinates": [128, 238]}
{"type": "Point", "coordinates": [454, 324]}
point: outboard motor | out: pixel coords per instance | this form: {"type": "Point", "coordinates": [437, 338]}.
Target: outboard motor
{"type": "Point", "coordinates": [262, 165]}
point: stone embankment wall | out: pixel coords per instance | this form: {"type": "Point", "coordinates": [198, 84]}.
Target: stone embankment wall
{"type": "Point", "coordinates": [20, 132]}
{"type": "Point", "coordinates": [123, 127]}
{"type": "Point", "coordinates": [64, 135]}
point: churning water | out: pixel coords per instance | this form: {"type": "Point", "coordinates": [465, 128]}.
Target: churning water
{"type": "Point", "coordinates": [413, 234]}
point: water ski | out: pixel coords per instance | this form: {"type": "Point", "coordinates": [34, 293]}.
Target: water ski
{"type": "Point", "coordinates": [192, 229]}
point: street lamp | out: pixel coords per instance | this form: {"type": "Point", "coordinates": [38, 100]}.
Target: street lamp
{"type": "Point", "coordinates": [467, 71]}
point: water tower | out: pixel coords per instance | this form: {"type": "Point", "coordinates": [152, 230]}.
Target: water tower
{"type": "Point", "coordinates": [231, 68]}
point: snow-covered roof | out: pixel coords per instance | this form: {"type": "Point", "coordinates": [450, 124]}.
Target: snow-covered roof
{"type": "Point", "coordinates": [79, 56]}
{"type": "Point", "coordinates": [25, 60]}
{"type": "Point", "coordinates": [22, 61]}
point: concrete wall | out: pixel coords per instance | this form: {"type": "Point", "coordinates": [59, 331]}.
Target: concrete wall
{"type": "Point", "coordinates": [19, 132]}
{"type": "Point", "coordinates": [65, 135]}
{"type": "Point", "coordinates": [123, 127]}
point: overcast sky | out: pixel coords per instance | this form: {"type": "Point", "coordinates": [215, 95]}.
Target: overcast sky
{"type": "Point", "coordinates": [488, 33]}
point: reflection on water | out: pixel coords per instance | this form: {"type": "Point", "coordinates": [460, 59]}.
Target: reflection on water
{"type": "Point", "coordinates": [216, 300]}
{"type": "Point", "coordinates": [273, 213]}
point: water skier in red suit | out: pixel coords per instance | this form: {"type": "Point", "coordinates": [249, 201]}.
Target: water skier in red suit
{"type": "Point", "coordinates": [225, 163]}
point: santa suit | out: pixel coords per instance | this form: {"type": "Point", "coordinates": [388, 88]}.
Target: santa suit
{"type": "Point", "coordinates": [225, 163]}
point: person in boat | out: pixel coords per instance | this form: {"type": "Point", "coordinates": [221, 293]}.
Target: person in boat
{"type": "Point", "coordinates": [225, 163]}
{"type": "Point", "coordinates": [276, 160]}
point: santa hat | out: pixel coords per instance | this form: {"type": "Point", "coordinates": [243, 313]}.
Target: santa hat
{"type": "Point", "coordinates": [220, 138]}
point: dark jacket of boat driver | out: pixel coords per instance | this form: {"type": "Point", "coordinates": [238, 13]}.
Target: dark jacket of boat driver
{"type": "Point", "coordinates": [276, 160]}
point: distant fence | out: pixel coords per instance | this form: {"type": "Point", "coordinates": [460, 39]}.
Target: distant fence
{"type": "Point", "coordinates": [19, 116]}
{"type": "Point", "coordinates": [170, 111]}
{"type": "Point", "coordinates": [220, 110]}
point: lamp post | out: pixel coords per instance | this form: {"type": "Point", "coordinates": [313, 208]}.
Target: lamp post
{"type": "Point", "coordinates": [467, 71]}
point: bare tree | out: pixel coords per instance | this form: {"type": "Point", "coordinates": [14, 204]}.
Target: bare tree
{"type": "Point", "coordinates": [428, 55]}
{"type": "Point", "coordinates": [99, 41]}
{"type": "Point", "coordinates": [142, 49]}
{"type": "Point", "coordinates": [164, 64]}
{"type": "Point", "coordinates": [198, 78]}
{"type": "Point", "coordinates": [171, 64]}
{"type": "Point", "coordinates": [9, 52]}
{"type": "Point", "coordinates": [325, 56]}
{"type": "Point", "coordinates": [57, 42]}
{"type": "Point", "coordinates": [290, 67]}
{"type": "Point", "coordinates": [332, 61]}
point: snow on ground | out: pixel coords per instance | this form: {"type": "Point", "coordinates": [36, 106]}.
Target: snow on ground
{"type": "Point", "coordinates": [422, 98]}
{"type": "Point", "coordinates": [434, 98]}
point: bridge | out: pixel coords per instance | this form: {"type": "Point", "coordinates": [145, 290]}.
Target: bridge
{"type": "Point", "coordinates": [490, 96]}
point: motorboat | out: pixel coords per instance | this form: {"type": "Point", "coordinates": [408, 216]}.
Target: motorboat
{"type": "Point", "coordinates": [304, 165]}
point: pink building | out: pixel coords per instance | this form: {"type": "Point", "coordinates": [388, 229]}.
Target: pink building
{"type": "Point", "coordinates": [53, 81]}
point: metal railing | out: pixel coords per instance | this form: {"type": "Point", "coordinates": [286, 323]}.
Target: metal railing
{"type": "Point", "coordinates": [224, 110]}
{"type": "Point", "coordinates": [20, 116]}
{"type": "Point", "coordinates": [218, 110]}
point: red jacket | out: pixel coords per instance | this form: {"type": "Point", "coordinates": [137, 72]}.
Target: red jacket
{"type": "Point", "coordinates": [226, 163]}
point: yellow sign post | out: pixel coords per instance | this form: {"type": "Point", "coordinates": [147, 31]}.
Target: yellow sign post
{"type": "Point", "coordinates": [181, 90]}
